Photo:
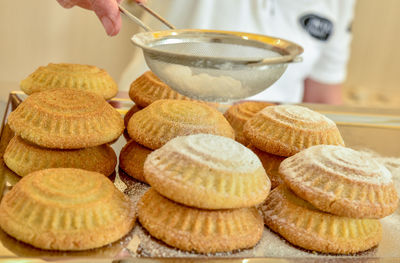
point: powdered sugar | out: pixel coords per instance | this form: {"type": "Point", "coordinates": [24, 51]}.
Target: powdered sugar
{"type": "Point", "coordinates": [342, 162]}
{"type": "Point", "coordinates": [202, 85]}
{"type": "Point", "coordinates": [214, 151]}
{"type": "Point", "coordinates": [299, 113]}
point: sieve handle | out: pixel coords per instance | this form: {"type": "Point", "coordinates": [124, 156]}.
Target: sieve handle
{"type": "Point", "coordinates": [139, 22]}
{"type": "Point", "coordinates": [277, 60]}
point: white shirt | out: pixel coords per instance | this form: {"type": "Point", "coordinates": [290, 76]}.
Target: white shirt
{"type": "Point", "coordinates": [321, 27]}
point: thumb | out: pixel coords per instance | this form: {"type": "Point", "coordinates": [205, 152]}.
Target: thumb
{"type": "Point", "coordinates": [108, 13]}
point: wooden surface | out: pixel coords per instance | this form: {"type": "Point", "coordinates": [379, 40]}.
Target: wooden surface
{"type": "Point", "coordinates": [374, 67]}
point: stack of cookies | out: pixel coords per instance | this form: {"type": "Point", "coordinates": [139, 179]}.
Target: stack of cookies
{"type": "Point", "coordinates": [277, 132]}
{"type": "Point", "coordinates": [147, 89]}
{"type": "Point", "coordinates": [63, 128]}
{"type": "Point", "coordinates": [238, 114]}
{"type": "Point", "coordinates": [163, 120]}
{"type": "Point", "coordinates": [327, 197]}
{"type": "Point", "coordinates": [204, 189]}
{"type": "Point", "coordinates": [331, 200]}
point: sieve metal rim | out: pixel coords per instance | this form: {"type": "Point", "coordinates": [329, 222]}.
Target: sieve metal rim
{"type": "Point", "coordinates": [290, 51]}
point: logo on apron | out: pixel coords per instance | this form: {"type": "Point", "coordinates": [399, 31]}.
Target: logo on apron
{"type": "Point", "coordinates": [318, 27]}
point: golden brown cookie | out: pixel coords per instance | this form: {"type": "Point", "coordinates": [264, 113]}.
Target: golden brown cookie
{"type": "Point", "coordinates": [271, 164]}
{"type": "Point", "coordinates": [23, 158]}
{"type": "Point", "coordinates": [341, 181]}
{"type": "Point", "coordinates": [66, 119]}
{"type": "Point", "coordinates": [148, 88]}
{"type": "Point", "coordinates": [239, 113]}
{"type": "Point", "coordinates": [131, 159]}
{"type": "Point", "coordinates": [66, 209]}
{"type": "Point", "coordinates": [72, 76]}
{"type": "Point", "coordinates": [303, 225]}
{"type": "Point", "coordinates": [287, 129]}
{"type": "Point", "coordinates": [207, 171]}
{"type": "Point", "coordinates": [166, 119]}
{"type": "Point", "coordinates": [202, 231]}
{"type": "Point", "coordinates": [135, 108]}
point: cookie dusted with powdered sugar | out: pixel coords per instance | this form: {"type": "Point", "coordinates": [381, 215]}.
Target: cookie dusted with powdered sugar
{"type": "Point", "coordinates": [341, 181]}
{"type": "Point", "coordinates": [287, 129]}
{"type": "Point", "coordinates": [207, 171]}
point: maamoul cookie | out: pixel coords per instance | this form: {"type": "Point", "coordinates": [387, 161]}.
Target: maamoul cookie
{"type": "Point", "coordinates": [239, 113]}
{"type": "Point", "coordinates": [287, 129]}
{"type": "Point", "coordinates": [207, 171]}
{"type": "Point", "coordinates": [202, 231]}
{"type": "Point", "coordinates": [148, 88]}
{"type": "Point", "coordinates": [135, 108]}
{"type": "Point", "coordinates": [66, 119]}
{"type": "Point", "coordinates": [341, 181]}
{"type": "Point", "coordinates": [271, 164]}
{"type": "Point", "coordinates": [131, 159]}
{"type": "Point", "coordinates": [305, 226]}
{"type": "Point", "coordinates": [66, 209]}
{"type": "Point", "coordinates": [166, 119]}
{"type": "Point", "coordinates": [23, 158]}
{"type": "Point", "coordinates": [73, 76]}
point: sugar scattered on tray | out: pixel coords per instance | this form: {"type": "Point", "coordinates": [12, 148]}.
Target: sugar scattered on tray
{"type": "Point", "coordinates": [271, 244]}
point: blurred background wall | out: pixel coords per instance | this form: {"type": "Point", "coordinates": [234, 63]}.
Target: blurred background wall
{"type": "Point", "coordinates": [374, 68]}
{"type": "Point", "coordinates": [34, 33]}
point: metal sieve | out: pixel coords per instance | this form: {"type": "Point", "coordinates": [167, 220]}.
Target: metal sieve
{"type": "Point", "coordinates": [214, 65]}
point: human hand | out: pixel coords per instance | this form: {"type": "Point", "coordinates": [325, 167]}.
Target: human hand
{"type": "Point", "coordinates": [106, 10]}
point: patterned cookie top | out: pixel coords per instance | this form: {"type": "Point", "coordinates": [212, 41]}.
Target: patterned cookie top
{"type": "Point", "coordinates": [163, 120]}
{"type": "Point", "coordinates": [148, 88]}
{"type": "Point", "coordinates": [341, 181]}
{"type": "Point", "coordinates": [207, 171]}
{"type": "Point", "coordinates": [287, 129]}
{"type": "Point", "coordinates": [73, 76]}
{"type": "Point", "coordinates": [66, 119]}
{"type": "Point", "coordinates": [66, 209]}
{"type": "Point", "coordinates": [340, 162]}
{"type": "Point", "coordinates": [216, 152]}
{"type": "Point", "coordinates": [301, 117]}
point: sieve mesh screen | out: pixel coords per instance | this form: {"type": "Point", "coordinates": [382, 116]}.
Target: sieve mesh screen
{"type": "Point", "coordinates": [217, 50]}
